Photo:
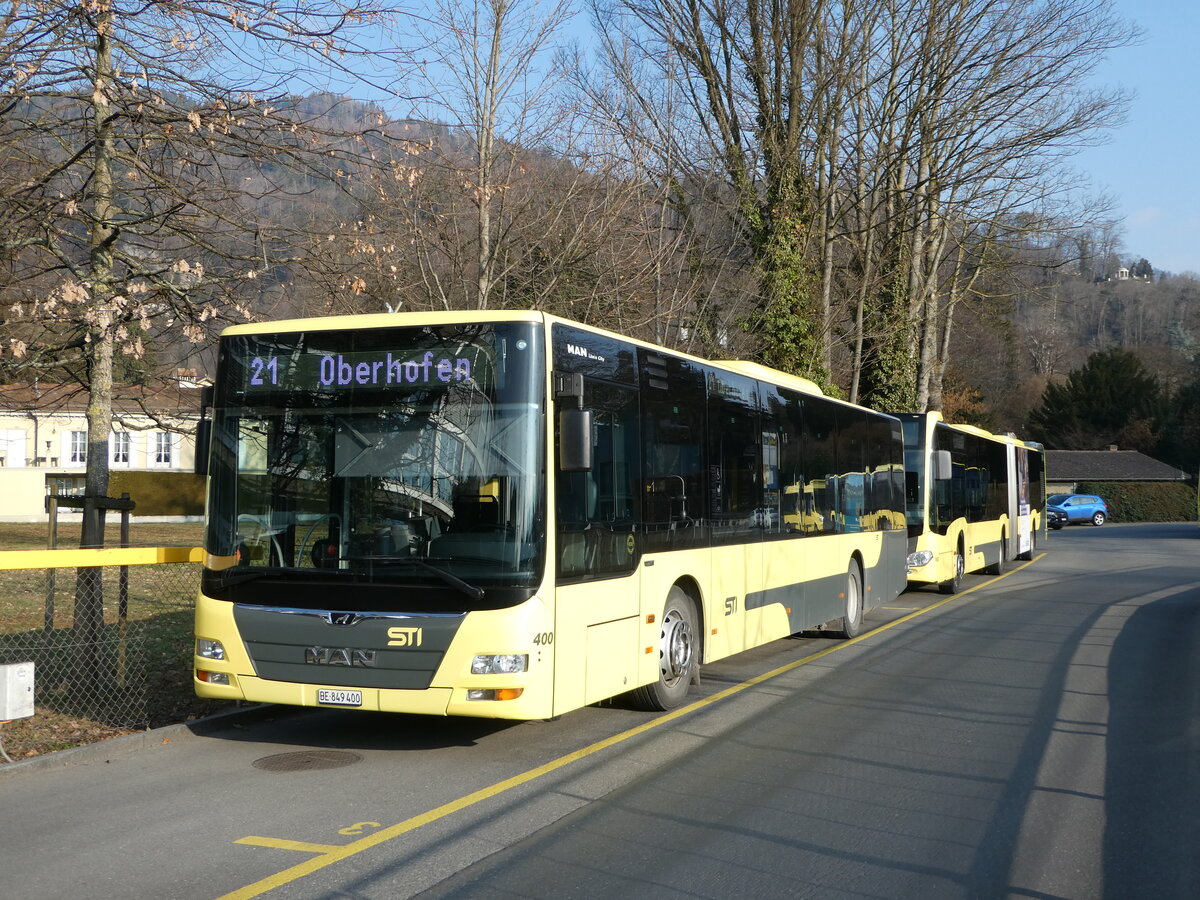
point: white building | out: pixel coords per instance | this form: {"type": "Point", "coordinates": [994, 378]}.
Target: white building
{"type": "Point", "coordinates": [43, 439]}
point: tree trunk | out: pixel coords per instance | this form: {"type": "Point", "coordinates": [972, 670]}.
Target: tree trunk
{"type": "Point", "coordinates": [89, 593]}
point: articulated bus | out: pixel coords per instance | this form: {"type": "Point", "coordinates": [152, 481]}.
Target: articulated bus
{"type": "Point", "coordinates": [974, 500]}
{"type": "Point", "coordinates": [510, 515]}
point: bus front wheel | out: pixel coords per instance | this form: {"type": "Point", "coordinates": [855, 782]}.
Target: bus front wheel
{"type": "Point", "coordinates": [678, 647]}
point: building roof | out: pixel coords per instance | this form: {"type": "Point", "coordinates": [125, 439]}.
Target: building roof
{"type": "Point", "coordinates": [1108, 465]}
{"type": "Point", "coordinates": [128, 399]}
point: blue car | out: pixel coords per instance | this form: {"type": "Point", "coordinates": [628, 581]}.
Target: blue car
{"type": "Point", "coordinates": [1077, 509]}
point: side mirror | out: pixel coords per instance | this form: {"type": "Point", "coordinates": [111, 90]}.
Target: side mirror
{"type": "Point", "coordinates": [575, 440]}
{"type": "Point", "coordinates": [203, 441]}
{"type": "Point", "coordinates": [203, 432]}
{"type": "Point", "coordinates": [943, 468]}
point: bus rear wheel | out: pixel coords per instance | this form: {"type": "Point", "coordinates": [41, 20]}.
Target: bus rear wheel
{"type": "Point", "coordinates": [851, 621]}
{"type": "Point", "coordinates": [1028, 554]}
{"type": "Point", "coordinates": [997, 568]}
{"type": "Point", "coordinates": [677, 655]}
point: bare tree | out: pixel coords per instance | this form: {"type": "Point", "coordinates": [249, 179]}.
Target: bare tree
{"type": "Point", "coordinates": [141, 126]}
{"type": "Point", "coordinates": [493, 78]}
{"type": "Point", "coordinates": [872, 149]}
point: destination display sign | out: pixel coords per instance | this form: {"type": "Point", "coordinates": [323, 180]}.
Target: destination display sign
{"type": "Point", "coordinates": [308, 369]}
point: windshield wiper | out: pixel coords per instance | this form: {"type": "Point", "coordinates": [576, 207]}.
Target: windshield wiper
{"type": "Point", "coordinates": [471, 590]}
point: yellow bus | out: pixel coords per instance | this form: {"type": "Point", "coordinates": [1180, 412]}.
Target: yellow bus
{"type": "Point", "coordinates": [974, 500]}
{"type": "Point", "coordinates": [507, 514]}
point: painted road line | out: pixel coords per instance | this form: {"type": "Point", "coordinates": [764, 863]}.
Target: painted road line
{"type": "Point", "coordinates": [280, 844]}
{"type": "Point", "coordinates": [327, 855]}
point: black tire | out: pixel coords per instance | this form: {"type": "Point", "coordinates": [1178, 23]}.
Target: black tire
{"type": "Point", "coordinates": [850, 624]}
{"type": "Point", "coordinates": [997, 568]}
{"type": "Point", "coordinates": [1098, 519]}
{"type": "Point", "coordinates": [678, 651]}
{"type": "Point", "coordinates": [954, 584]}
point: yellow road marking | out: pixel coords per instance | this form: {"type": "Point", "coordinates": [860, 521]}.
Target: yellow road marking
{"type": "Point", "coordinates": [281, 844]}
{"type": "Point", "coordinates": [328, 855]}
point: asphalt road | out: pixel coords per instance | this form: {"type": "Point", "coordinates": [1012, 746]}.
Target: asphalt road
{"type": "Point", "coordinates": [1035, 736]}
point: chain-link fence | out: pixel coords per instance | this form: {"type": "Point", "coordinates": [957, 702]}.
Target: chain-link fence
{"type": "Point", "coordinates": [111, 645]}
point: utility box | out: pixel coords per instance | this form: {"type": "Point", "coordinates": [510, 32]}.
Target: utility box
{"type": "Point", "coordinates": [16, 691]}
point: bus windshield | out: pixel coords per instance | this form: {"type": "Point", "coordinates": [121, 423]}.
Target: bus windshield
{"type": "Point", "coordinates": [391, 456]}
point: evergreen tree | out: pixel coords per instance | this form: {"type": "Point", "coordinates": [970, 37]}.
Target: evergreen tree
{"type": "Point", "coordinates": [1113, 399]}
{"type": "Point", "coordinates": [1180, 444]}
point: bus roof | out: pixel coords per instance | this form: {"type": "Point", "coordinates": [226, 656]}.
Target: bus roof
{"type": "Point", "coordinates": [451, 317]}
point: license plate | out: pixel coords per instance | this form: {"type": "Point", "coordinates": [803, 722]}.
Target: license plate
{"type": "Point", "coordinates": [329, 697]}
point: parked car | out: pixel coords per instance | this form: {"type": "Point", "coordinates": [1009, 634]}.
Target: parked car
{"type": "Point", "coordinates": [1055, 517]}
{"type": "Point", "coordinates": [1079, 508]}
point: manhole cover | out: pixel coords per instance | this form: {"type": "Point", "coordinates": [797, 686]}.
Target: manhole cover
{"type": "Point", "coordinates": [306, 760]}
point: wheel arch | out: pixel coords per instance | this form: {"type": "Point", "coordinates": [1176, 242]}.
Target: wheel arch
{"type": "Point", "coordinates": [690, 586]}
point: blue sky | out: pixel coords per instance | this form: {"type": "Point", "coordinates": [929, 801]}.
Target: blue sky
{"type": "Point", "coordinates": [1152, 164]}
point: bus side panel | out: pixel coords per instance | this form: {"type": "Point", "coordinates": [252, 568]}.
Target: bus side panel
{"type": "Point", "coordinates": [887, 579]}
{"type": "Point", "coordinates": [823, 562]}
{"type": "Point", "coordinates": [584, 617]}
{"type": "Point", "coordinates": [736, 572]}
{"type": "Point", "coordinates": [612, 659]}
{"type": "Point", "coordinates": [983, 542]}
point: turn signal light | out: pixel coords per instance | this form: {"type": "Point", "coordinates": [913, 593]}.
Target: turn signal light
{"type": "Point", "coordinates": [495, 693]}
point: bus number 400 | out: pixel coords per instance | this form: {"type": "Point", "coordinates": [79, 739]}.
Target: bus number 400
{"type": "Point", "coordinates": [545, 639]}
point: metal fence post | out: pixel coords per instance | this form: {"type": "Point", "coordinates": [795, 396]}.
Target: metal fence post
{"type": "Point", "coordinates": [52, 544]}
{"type": "Point", "coordinates": [123, 597]}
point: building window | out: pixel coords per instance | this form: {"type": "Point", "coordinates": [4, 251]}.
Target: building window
{"type": "Point", "coordinates": [12, 448]}
{"type": "Point", "coordinates": [78, 449]}
{"type": "Point", "coordinates": [162, 449]}
{"type": "Point", "coordinates": [120, 448]}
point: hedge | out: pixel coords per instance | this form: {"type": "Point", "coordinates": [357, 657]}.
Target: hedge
{"type": "Point", "coordinates": [1145, 501]}
{"type": "Point", "coordinates": [160, 493]}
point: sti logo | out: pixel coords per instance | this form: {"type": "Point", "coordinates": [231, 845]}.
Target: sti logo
{"type": "Point", "coordinates": [405, 637]}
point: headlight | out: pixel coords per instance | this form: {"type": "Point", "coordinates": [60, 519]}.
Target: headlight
{"type": "Point", "coordinates": [920, 558]}
{"type": "Point", "coordinates": [209, 649]}
{"type": "Point", "coordinates": [500, 664]}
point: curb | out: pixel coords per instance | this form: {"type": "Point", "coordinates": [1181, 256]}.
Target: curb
{"type": "Point", "coordinates": [128, 744]}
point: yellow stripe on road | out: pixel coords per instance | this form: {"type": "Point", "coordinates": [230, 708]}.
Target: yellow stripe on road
{"type": "Point", "coordinates": [328, 855]}
{"type": "Point", "coordinates": [280, 844]}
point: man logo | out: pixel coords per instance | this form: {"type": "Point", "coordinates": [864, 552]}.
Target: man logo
{"type": "Point", "coordinates": [341, 618]}
{"type": "Point", "coordinates": [404, 637]}
{"type": "Point", "coordinates": [351, 657]}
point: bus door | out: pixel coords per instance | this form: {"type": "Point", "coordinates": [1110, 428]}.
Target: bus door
{"type": "Point", "coordinates": [1020, 502]}
{"type": "Point", "coordinates": [596, 560]}
{"type": "Point", "coordinates": [743, 501]}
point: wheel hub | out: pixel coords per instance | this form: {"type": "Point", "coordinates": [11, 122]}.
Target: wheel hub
{"type": "Point", "coordinates": [675, 655]}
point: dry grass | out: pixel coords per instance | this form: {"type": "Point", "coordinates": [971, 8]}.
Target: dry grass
{"type": "Point", "coordinates": [33, 536]}
{"type": "Point", "coordinates": [160, 605]}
